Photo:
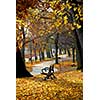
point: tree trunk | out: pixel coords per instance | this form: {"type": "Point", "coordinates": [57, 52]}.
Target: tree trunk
{"type": "Point", "coordinates": [65, 51]}
{"type": "Point", "coordinates": [48, 54]}
{"type": "Point", "coordinates": [79, 40]}
{"type": "Point", "coordinates": [79, 51]}
{"type": "Point", "coordinates": [73, 53]}
{"type": "Point", "coordinates": [60, 51]}
{"type": "Point", "coordinates": [69, 54]}
{"type": "Point", "coordinates": [42, 53]}
{"type": "Point", "coordinates": [30, 46]}
{"type": "Point", "coordinates": [51, 51]}
{"type": "Point", "coordinates": [56, 47]}
{"type": "Point", "coordinates": [35, 54]}
{"type": "Point", "coordinates": [20, 66]}
{"type": "Point", "coordinates": [23, 47]}
{"type": "Point", "coordinates": [52, 54]}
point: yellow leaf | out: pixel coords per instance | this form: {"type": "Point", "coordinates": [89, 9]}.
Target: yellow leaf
{"type": "Point", "coordinates": [73, 28]}
{"type": "Point", "coordinates": [74, 24]}
{"type": "Point", "coordinates": [81, 18]}
{"type": "Point", "coordinates": [65, 20]}
{"type": "Point", "coordinates": [78, 26]}
{"type": "Point", "coordinates": [75, 8]}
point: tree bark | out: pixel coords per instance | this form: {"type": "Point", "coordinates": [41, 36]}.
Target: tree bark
{"type": "Point", "coordinates": [79, 40]}
{"type": "Point", "coordinates": [48, 54]}
{"type": "Point", "coordinates": [42, 53]}
{"type": "Point", "coordinates": [56, 47]}
{"type": "Point", "coordinates": [79, 50]}
{"type": "Point", "coordinates": [65, 51]}
{"type": "Point", "coordinates": [60, 51]}
{"type": "Point", "coordinates": [23, 47]}
{"type": "Point", "coordinates": [20, 66]}
{"type": "Point", "coordinates": [73, 53]}
{"type": "Point", "coordinates": [30, 46]}
{"type": "Point", "coordinates": [35, 54]}
{"type": "Point", "coordinates": [69, 54]}
{"type": "Point", "coordinates": [52, 53]}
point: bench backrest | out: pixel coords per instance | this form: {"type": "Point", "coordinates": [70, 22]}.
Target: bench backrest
{"type": "Point", "coordinates": [51, 69]}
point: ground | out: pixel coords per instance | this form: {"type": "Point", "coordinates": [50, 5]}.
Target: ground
{"type": "Point", "coordinates": [67, 86]}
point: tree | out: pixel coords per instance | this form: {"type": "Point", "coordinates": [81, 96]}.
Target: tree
{"type": "Point", "coordinates": [75, 16]}
{"type": "Point", "coordinates": [48, 17]}
{"type": "Point", "coordinates": [73, 53]}
{"type": "Point", "coordinates": [56, 47]}
{"type": "Point", "coordinates": [20, 56]}
{"type": "Point", "coordinates": [20, 65]}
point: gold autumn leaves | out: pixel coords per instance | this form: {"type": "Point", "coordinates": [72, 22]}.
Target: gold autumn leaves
{"type": "Point", "coordinates": [67, 86]}
{"type": "Point", "coordinates": [46, 16]}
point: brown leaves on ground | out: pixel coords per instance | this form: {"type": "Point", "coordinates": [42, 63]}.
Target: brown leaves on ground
{"type": "Point", "coordinates": [67, 86]}
{"type": "Point", "coordinates": [65, 64]}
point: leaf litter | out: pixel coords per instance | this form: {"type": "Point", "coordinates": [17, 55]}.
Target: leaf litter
{"type": "Point", "coordinates": [67, 86]}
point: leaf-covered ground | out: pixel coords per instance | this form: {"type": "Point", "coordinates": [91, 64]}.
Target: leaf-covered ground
{"type": "Point", "coordinates": [67, 86]}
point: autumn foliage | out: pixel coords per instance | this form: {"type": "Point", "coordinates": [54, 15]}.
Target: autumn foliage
{"type": "Point", "coordinates": [45, 24]}
{"type": "Point", "coordinates": [68, 86]}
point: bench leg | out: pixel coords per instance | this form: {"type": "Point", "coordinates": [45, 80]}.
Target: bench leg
{"type": "Point", "coordinates": [47, 77]}
{"type": "Point", "coordinates": [50, 76]}
{"type": "Point", "coordinates": [53, 76]}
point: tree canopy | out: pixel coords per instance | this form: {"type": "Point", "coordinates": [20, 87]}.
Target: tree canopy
{"type": "Point", "coordinates": [46, 17]}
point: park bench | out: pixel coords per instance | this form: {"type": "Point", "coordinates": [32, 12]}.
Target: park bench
{"type": "Point", "coordinates": [73, 64]}
{"type": "Point", "coordinates": [49, 72]}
